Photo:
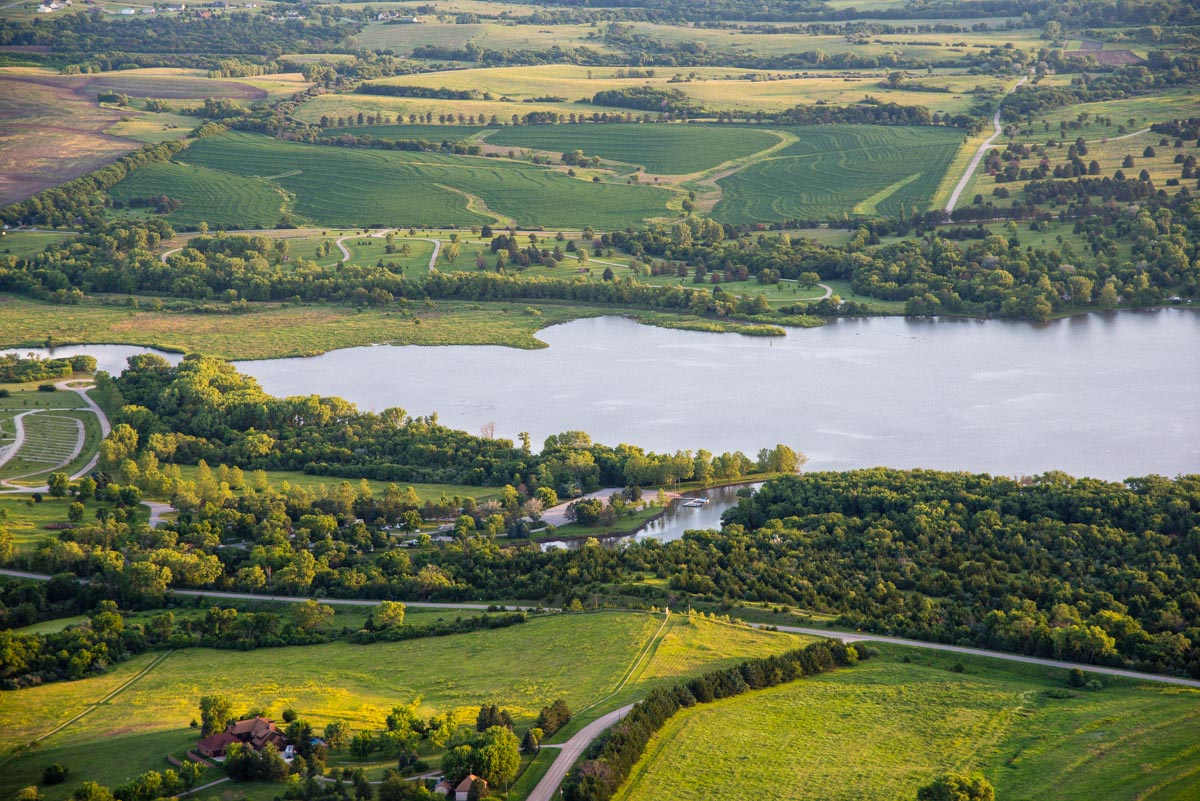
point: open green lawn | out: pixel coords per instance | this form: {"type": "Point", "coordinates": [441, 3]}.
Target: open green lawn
{"type": "Point", "coordinates": [582, 658]}
{"type": "Point", "coordinates": [221, 199]}
{"type": "Point", "coordinates": [26, 519]}
{"type": "Point", "coordinates": [836, 169]}
{"type": "Point", "coordinates": [350, 186]}
{"type": "Point", "coordinates": [29, 243]}
{"type": "Point", "coordinates": [884, 728]}
{"type": "Point", "coordinates": [667, 149]}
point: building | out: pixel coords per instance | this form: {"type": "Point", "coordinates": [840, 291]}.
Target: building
{"type": "Point", "coordinates": [255, 732]}
{"type": "Point", "coordinates": [463, 790]}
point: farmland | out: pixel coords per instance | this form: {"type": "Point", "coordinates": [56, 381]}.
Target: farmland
{"type": "Point", "coordinates": [884, 728]}
{"type": "Point", "coordinates": [218, 198]}
{"type": "Point", "coordinates": [340, 187]}
{"type": "Point", "coordinates": [836, 169]}
{"type": "Point", "coordinates": [579, 658]}
{"type": "Point", "coordinates": [666, 149]}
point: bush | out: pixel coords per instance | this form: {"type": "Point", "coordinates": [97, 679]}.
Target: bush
{"type": "Point", "coordinates": [54, 774]}
{"type": "Point", "coordinates": [47, 388]}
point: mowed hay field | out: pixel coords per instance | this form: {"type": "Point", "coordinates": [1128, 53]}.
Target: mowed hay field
{"type": "Point", "coordinates": [218, 198]}
{"type": "Point", "coordinates": [348, 187]}
{"type": "Point", "coordinates": [665, 149]}
{"type": "Point", "coordinates": [841, 169]}
{"type": "Point", "coordinates": [879, 731]}
{"type": "Point", "coordinates": [580, 658]}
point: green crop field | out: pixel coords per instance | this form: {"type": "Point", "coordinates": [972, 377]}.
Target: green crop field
{"type": "Point", "coordinates": [884, 728]}
{"type": "Point", "coordinates": [835, 169]}
{"type": "Point", "coordinates": [342, 186]}
{"type": "Point", "coordinates": [581, 658]}
{"type": "Point", "coordinates": [430, 133]}
{"type": "Point", "coordinates": [666, 149]}
{"type": "Point", "coordinates": [218, 198]}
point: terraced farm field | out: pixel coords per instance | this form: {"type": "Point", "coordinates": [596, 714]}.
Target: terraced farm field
{"type": "Point", "coordinates": [665, 149]}
{"type": "Point", "coordinates": [218, 198]}
{"type": "Point", "coordinates": [836, 169]}
{"type": "Point", "coordinates": [879, 731]}
{"type": "Point", "coordinates": [348, 187]}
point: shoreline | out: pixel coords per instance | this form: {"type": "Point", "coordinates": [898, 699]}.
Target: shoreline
{"type": "Point", "coordinates": [638, 316]}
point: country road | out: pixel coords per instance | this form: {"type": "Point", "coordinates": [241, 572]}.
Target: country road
{"type": "Point", "coordinates": [845, 636]}
{"type": "Point", "coordinates": [983, 148]}
{"type": "Point", "coordinates": [960, 649]}
{"type": "Point", "coordinates": [572, 749]}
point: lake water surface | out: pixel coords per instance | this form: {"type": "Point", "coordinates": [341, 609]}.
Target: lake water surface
{"type": "Point", "coordinates": [1106, 395]}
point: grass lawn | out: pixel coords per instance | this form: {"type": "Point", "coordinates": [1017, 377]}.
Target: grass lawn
{"type": "Point", "coordinates": [26, 520]}
{"type": "Point", "coordinates": [886, 727]}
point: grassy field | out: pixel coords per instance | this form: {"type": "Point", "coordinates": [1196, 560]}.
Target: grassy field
{"type": "Point", "coordinates": [581, 658]}
{"type": "Point", "coordinates": [884, 728]}
{"type": "Point", "coordinates": [29, 243]}
{"type": "Point", "coordinates": [665, 149]}
{"type": "Point", "coordinates": [216, 197]}
{"type": "Point", "coordinates": [1109, 153]}
{"type": "Point", "coordinates": [836, 169]}
{"type": "Point", "coordinates": [273, 331]}
{"type": "Point", "coordinates": [369, 187]}
{"type": "Point", "coordinates": [276, 479]}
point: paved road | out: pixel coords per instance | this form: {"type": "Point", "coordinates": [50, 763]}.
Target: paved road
{"type": "Point", "coordinates": [570, 751]}
{"type": "Point", "coordinates": [983, 148]}
{"type": "Point", "coordinates": [157, 510]}
{"type": "Point", "coordinates": [379, 234]}
{"type": "Point", "coordinates": [959, 649]}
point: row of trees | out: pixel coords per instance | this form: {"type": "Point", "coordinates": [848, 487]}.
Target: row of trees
{"type": "Point", "coordinates": [608, 762]}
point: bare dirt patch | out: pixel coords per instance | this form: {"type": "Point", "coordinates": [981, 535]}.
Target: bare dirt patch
{"type": "Point", "coordinates": [50, 135]}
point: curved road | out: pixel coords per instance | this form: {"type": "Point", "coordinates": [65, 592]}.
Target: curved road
{"type": "Point", "coordinates": [572, 749]}
{"type": "Point", "coordinates": [983, 148]}
{"type": "Point", "coordinates": [960, 649]}
{"type": "Point", "coordinates": [437, 244]}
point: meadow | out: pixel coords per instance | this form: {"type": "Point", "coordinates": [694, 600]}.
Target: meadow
{"type": "Point", "coordinates": [221, 199]}
{"type": "Point", "coordinates": [841, 169]}
{"type": "Point", "coordinates": [580, 658]}
{"type": "Point", "coordinates": [415, 131]}
{"type": "Point", "coordinates": [270, 331]}
{"type": "Point", "coordinates": [28, 243]}
{"type": "Point", "coordinates": [664, 149]}
{"type": "Point", "coordinates": [347, 187]}
{"type": "Point", "coordinates": [878, 731]}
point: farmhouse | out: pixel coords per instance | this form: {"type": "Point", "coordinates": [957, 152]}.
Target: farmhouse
{"type": "Point", "coordinates": [255, 732]}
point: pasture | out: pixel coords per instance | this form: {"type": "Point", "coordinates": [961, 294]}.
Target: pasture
{"type": "Point", "coordinates": [666, 149]}
{"type": "Point", "coordinates": [841, 169]}
{"type": "Point", "coordinates": [29, 243]}
{"type": "Point", "coordinates": [417, 131]}
{"type": "Point", "coordinates": [581, 658]}
{"type": "Point", "coordinates": [882, 729]}
{"type": "Point", "coordinates": [348, 187]}
{"type": "Point", "coordinates": [221, 199]}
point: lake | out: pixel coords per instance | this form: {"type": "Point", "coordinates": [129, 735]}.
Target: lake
{"type": "Point", "coordinates": [1107, 395]}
